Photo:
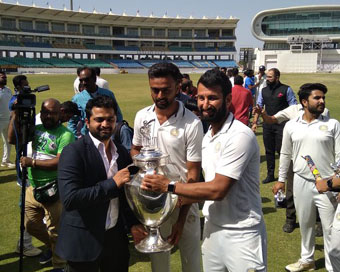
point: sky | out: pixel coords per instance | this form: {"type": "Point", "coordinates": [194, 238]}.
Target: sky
{"type": "Point", "coordinates": [243, 10]}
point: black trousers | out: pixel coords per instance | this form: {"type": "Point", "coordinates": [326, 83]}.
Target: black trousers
{"type": "Point", "coordinates": [272, 139]}
{"type": "Point", "coordinates": [114, 257]}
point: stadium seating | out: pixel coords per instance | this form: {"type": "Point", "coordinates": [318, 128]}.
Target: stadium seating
{"type": "Point", "coordinates": [93, 63]}
{"type": "Point", "coordinates": [205, 49]}
{"type": "Point", "coordinates": [203, 64]}
{"type": "Point", "coordinates": [149, 63]}
{"type": "Point", "coordinates": [28, 62]}
{"type": "Point", "coordinates": [227, 49]}
{"type": "Point", "coordinates": [5, 61]}
{"type": "Point", "coordinates": [9, 43]}
{"type": "Point", "coordinates": [183, 64]}
{"type": "Point", "coordinates": [37, 44]}
{"type": "Point", "coordinates": [126, 63]}
{"type": "Point", "coordinates": [72, 46]}
{"type": "Point", "coordinates": [62, 63]}
{"type": "Point", "coordinates": [98, 47]}
{"type": "Point", "coordinates": [225, 63]}
{"type": "Point", "coordinates": [127, 48]}
{"type": "Point", "coordinates": [180, 49]}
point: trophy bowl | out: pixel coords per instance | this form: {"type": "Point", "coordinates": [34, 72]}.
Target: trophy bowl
{"type": "Point", "coordinates": [151, 208]}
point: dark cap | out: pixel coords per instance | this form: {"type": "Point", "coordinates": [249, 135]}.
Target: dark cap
{"type": "Point", "coordinates": [262, 68]}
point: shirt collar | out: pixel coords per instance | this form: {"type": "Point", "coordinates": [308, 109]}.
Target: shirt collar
{"type": "Point", "coordinates": [98, 144]}
{"type": "Point", "coordinates": [301, 120]}
{"type": "Point", "coordinates": [173, 118]}
{"type": "Point", "coordinates": [226, 126]}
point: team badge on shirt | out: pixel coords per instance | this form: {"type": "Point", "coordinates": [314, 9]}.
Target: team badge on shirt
{"type": "Point", "coordinates": [338, 216]}
{"type": "Point", "coordinates": [217, 147]}
{"type": "Point", "coordinates": [174, 132]}
{"type": "Point", "coordinates": [323, 128]}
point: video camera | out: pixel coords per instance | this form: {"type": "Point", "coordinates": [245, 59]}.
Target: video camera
{"type": "Point", "coordinates": [25, 98]}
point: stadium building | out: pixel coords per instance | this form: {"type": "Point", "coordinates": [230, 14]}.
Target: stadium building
{"type": "Point", "coordinates": [35, 39]}
{"type": "Point", "coordinates": [299, 39]}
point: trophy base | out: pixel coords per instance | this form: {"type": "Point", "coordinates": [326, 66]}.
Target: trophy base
{"type": "Point", "coordinates": [153, 243]}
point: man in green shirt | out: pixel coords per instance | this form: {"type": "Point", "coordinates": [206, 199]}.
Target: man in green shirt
{"type": "Point", "coordinates": [49, 140]}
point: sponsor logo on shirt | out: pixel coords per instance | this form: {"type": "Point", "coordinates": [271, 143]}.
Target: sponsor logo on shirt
{"type": "Point", "coordinates": [217, 147]}
{"type": "Point", "coordinates": [323, 128]}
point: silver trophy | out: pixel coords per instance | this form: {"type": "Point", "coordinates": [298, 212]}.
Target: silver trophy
{"type": "Point", "coordinates": [151, 208]}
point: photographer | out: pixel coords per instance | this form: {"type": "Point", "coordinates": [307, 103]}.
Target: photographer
{"type": "Point", "coordinates": [42, 198]}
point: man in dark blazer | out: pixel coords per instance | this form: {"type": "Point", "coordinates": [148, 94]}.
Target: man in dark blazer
{"type": "Point", "coordinates": [91, 175]}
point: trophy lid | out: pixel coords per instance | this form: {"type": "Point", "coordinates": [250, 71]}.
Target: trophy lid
{"type": "Point", "coordinates": [150, 154]}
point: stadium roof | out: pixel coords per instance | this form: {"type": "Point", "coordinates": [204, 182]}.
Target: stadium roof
{"type": "Point", "coordinates": [105, 18]}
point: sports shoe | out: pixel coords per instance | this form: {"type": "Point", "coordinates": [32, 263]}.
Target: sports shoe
{"type": "Point", "coordinates": [289, 227]}
{"type": "Point", "coordinates": [318, 230]}
{"type": "Point", "coordinates": [8, 164]}
{"type": "Point", "coordinates": [29, 251]}
{"type": "Point", "coordinates": [300, 266]}
{"type": "Point", "coordinates": [45, 257]}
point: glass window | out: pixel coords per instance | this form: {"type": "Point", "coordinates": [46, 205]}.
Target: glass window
{"type": "Point", "coordinates": [213, 33]}
{"type": "Point", "coordinates": [199, 33]}
{"type": "Point", "coordinates": [104, 30]}
{"type": "Point", "coordinates": [73, 28]}
{"type": "Point", "coordinates": [159, 32]}
{"type": "Point", "coordinates": [118, 31]}
{"type": "Point", "coordinates": [227, 32]}
{"type": "Point", "coordinates": [88, 29]}
{"type": "Point", "coordinates": [146, 32]}
{"type": "Point", "coordinates": [41, 26]}
{"type": "Point", "coordinates": [25, 25]}
{"type": "Point", "coordinates": [187, 33]}
{"type": "Point", "coordinates": [132, 31]}
{"type": "Point", "coordinates": [8, 23]}
{"type": "Point", "coordinates": [59, 27]}
{"type": "Point", "coordinates": [173, 33]}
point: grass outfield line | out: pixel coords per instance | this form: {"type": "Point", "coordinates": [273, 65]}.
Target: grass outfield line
{"type": "Point", "coordinates": [132, 93]}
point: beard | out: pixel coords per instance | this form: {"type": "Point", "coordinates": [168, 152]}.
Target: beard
{"type": "Point", "coordinates": [102, 135]}
{"type": "Point", "coordinates": [270, 83]}
{"type": "Point", "coordinates": [162, 103]}
{"type": "Point", "coordinates": [317, 110]}
{"type": "Point", "coordinates": [214, 115]}
{"type": "Point", "coordinates": [50, 124]}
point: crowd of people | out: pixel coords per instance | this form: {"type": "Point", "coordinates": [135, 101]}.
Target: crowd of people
{"type": "Point", "coordinates": [75, 202]}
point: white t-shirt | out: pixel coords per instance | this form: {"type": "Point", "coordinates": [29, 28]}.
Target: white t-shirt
{"type": "Point", "coordinates": [292, 112]}
{"type": "Point", "coordinates": [233, 152]}
{"type": "Point", "coordinates": [5, 97]}
{"type": "Point", "coordinates": [180, 136]}
{"type": "Point", "coordinates": [319, 139]}
{"type": "Point", "coordinates": [262, 85]}
{"type": "Point", "coordinates": [100, 82]}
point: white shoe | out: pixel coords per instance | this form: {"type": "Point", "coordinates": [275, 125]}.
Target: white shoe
{"type": "Point", "coordinates": [8, 164]}
{"type": "Point", "coordinates": [300, 266]}
{"type": "Point", "coordinates": [29, 251]}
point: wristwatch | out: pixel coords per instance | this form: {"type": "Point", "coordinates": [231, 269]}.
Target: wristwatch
{"type": "Point", "coordinates": [172, 186]}
{"type": "Point", "coordinates": [330, 184]}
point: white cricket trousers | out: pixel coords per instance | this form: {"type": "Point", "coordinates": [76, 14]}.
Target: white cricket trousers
{"type": "Point", "coordinates": [189, 243]}
{"type": "Point", "coordinates": [334, 252]}
{"type": "Point", "coordinates": [4, 136]}
{"type": "Point", "coordinates": [234, 250]}
{"type": "Point", "coordinates": [307, 199]}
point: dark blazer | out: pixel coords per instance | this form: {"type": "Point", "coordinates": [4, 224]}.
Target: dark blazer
{"type": "Point", "coordinates": [85, 193]}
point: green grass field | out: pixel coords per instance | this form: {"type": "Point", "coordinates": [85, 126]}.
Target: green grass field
{"type": "Point", "coordinates": [132, 93]}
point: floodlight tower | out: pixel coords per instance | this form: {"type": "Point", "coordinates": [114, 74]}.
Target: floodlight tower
{"type": "Point", "coordinates": [71, 4]}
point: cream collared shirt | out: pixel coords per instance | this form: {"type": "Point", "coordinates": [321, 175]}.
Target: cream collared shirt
{"type": "Point", "coordinates": [111, 168]}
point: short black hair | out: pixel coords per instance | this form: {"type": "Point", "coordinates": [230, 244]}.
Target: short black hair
{"type": "Point", "coordinates": [238, 80]}
{"type": "Point", "coordinates": [93, 71]}
{"type": "Point", "coordinates": [186, 76]}
{"type": "Point", "coordinates": [79, 69]}
{"type": "Point", "coordinates": [191, 104]}
{"type": "Point", "coordinates": [186, 85]}
{"type": "Point", "coordinates": [97, 70]}
{"type": "Point", "coordinates": [306, 90]}
{"type": "Point", "coordinates": [214, 78]}
{"type": "Point", "coordinates": [17, 80]}
{"type": "Point", "coordinates": [164, 69]}
{"type": "Point", "coordinates": [101, 101]}
{"type": "Point", "coordinates": [275, 71]}
{"type": "Point", "coordinates": [70, 107]}
{"type": "Point", "coordinates": [234, 71]}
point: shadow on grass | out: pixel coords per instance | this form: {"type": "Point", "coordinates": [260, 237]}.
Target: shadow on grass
{"type": "Point", "coordinates": [8, 178]}
{"type": "Point", "coordinates": [320, 263]}
{"type": "Point", "coordinates": [30, 264]}
{"type": "Point", "coordinates": [267, 210]}
{"type": "Point", "coordinates": [265, 200]}
{"type": "Point", "coordinates": [137, 257]}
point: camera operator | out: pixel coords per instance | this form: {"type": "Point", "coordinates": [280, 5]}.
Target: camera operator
{"type": "Point", "coordinates": [42, 198]}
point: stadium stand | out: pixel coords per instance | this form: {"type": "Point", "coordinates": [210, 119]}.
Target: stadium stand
{"type": "Point", "coordinates": [92, 63]}
{"type": "Point", "coordinates": [225, 63]}
{"type": "Point", "coordinates": [203, 64]}
{"type": "Point", "coordinates": [98, 47]}
{"type": "Point", "coordinates": [37, 44]}
{"type": "Point", "coordinates": [9, 43]}
{"type": "Point", "coordinates": [183, 64]}
{"type": "Point", "coordinates": [126, 63]}
{"type": "Point", "coordinates": [61, 63]}
{"type": "Point", "coordinates": [127, 48]}
{"type": "Point", "coordinates": [27, 62]}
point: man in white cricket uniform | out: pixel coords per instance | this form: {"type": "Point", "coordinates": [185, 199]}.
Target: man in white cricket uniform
{"type": "Point", "coordinates": [318, 136]}
{"type": "Point", "coordinates": [179, 134]}
{"type": "Point", "coordinates": [234, 231]}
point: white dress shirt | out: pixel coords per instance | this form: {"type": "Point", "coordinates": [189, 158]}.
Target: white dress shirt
{"type": "Point", "coordinates": [111, 168]}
